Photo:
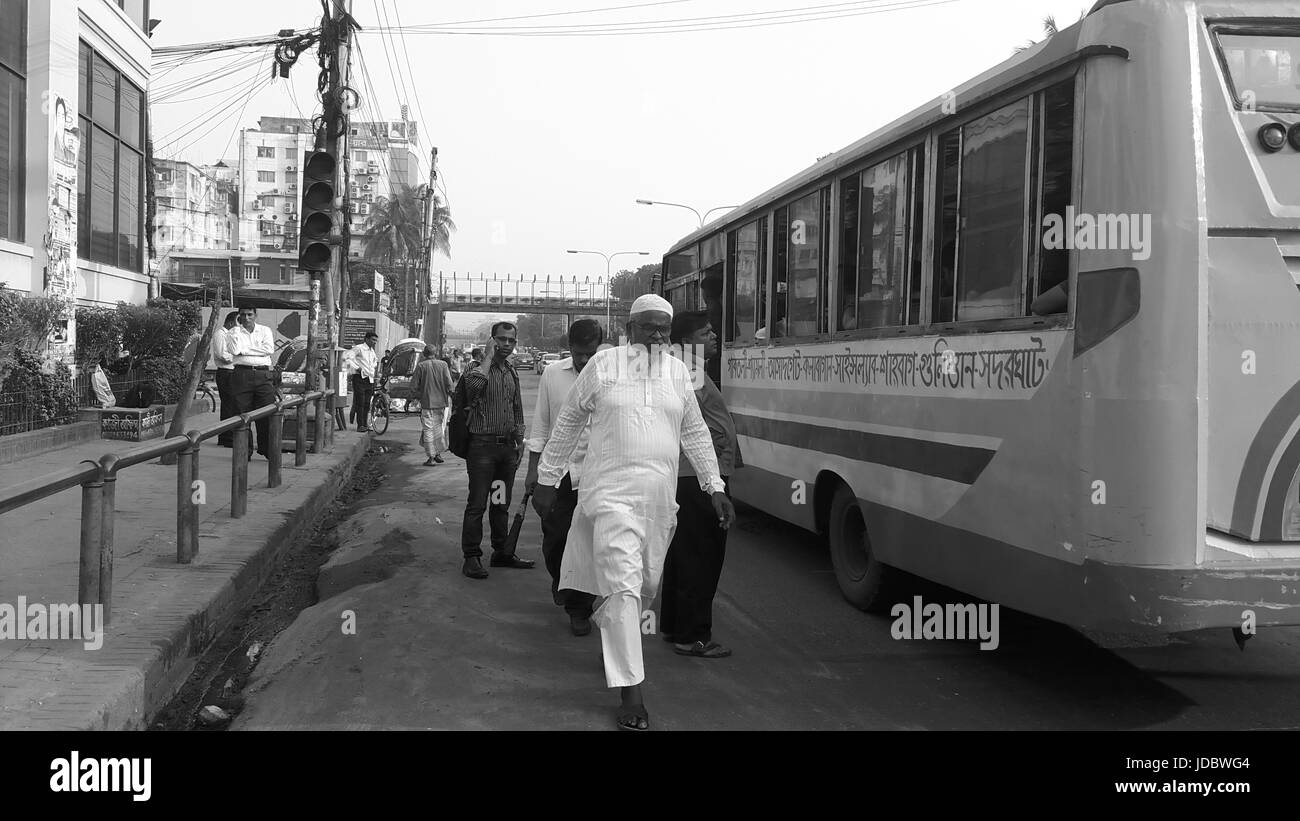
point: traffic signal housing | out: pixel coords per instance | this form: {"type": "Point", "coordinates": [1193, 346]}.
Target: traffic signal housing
{"type": "Point", "coordinates": [317, 213]}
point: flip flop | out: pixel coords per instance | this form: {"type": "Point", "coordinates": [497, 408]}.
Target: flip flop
{"type": "Point", "coordinates": [635, 715]}
{"type": "Point", "coordinates": [699, 649]}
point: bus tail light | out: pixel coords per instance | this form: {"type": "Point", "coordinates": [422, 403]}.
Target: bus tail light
{"type": "Point", "coordinates": [1293, 136]}
{"type": "Point", "coordinates": [1273, 136]}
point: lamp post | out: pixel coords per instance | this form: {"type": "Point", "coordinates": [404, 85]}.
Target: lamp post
{"type": "Point", "coordinates": [608, 259]}
{"type": "Point", "coordinates": [688, 208]}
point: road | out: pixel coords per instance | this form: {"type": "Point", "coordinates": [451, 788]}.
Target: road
{"type": "Point", "coordinates": [432, 649]}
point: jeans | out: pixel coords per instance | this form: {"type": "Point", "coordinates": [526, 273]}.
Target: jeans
{"type": "Point", "coordinates": [488, 464]}
{"type": "Point", "coordinates": [555, 534]}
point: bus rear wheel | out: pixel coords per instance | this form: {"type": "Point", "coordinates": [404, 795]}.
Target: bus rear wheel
{"type": "Point", "coordinates": [866, 582]}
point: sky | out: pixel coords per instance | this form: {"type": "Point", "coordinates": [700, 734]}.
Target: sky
{"type": "Point", "coordinates": [546, 142]}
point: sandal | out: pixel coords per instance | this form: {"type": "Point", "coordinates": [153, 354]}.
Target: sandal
{"type": "Point", "coordinates": [699, 649]}
{"type": "Point", "coordinates": [629, 718]}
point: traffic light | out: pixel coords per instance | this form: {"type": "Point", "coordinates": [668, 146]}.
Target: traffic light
{"type": "Point", "coordinates": [317, 214]}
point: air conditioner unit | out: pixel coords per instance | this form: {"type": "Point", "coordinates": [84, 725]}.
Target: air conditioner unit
{"type": "Point", "coordinates": [288, 208]}
{"type": "Point", "coordinates": [370, 179]}
{"type": "Point", "coordinates": [291, 168]}
{"type": "Point", "coordinates": [255, 205]}
{"type": "Point", "coordinates": [293, 186]}
{"type": "Point", "coordinates": [365, 188]}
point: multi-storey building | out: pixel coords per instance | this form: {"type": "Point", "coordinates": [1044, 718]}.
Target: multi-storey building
{"type": "Point", "coordinates": [72, 136]}
{"type": "Point", "coordinates": [192, 210]}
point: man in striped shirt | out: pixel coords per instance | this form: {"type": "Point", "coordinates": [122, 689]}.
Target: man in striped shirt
{"type": "Point", "coordinates": [496, 428]}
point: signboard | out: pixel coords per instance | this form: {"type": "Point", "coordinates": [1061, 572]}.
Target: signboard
{"type": "Point", "coordinates": [355, 330]}
{"type": "Point", "coordinates": [379, 282]}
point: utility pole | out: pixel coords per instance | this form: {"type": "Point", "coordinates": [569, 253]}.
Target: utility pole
{"type": "Point", "coordinates": [430, 331]}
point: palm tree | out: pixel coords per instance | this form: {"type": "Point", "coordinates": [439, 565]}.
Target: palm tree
{"type": "Point", "coordinates": [393, 232]}
{"type": "Point", "coordinates": [1049, 28]}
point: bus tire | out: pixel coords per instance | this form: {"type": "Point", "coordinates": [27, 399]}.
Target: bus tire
{"type": "Point", "coordinates": [864, 580]}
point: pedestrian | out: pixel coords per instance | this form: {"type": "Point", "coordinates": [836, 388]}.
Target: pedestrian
{"type": "Point", "coordinates": [585, 336]}
{"type": "Point", "coordinates": [431, 386]}
{"type": "Point", "coordinates": [475, 358]}
{"type": "Point", "coordinates": [643, 414]}
{"type": "Point", "coordinates": [225, 370]}
{"type": "Point", "coordinates": [695, 555]}
{"type": "Point", "coordinates": [362, 363]}
{"type": "Point", "coordinates": [250, 346]}
{"type": "Point", "coordinates": [496, 442]}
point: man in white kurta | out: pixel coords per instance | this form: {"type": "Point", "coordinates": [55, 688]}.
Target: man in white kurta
{"type": "Point", "coordinates": [643, 415]}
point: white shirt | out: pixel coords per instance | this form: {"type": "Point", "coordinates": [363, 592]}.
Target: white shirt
{"type": "Point", "coordinates": [251, 348]}
{"type": "Point", "coordinates": [551, 393]}
{"type": "Point", "coordinates": [362, 359]}
{"type": "Point", "coordinates": [639, 426]}
{"type": "Point", "coordinates": [223, 357]}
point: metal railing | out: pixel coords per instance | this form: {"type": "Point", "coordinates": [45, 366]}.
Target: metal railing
{"type": "Point", "coordinates": [98, 481]}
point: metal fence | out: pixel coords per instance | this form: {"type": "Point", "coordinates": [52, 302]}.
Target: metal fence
{"type": "Point", "coordinates": [98, 481]}
{"type": "Point", "coordinates": [22, 411]}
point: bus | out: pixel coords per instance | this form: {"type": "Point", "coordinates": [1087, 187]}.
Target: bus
{"type": "Point", "coordinates": [1039, 339]}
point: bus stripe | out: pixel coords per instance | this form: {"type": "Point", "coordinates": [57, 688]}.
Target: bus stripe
{"type": "Point", "coordinates": [1251, 481]}
{"type": "Point", "coordinates": [958, 463]}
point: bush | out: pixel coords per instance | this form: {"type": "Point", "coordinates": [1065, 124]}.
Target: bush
{"type": "Point", "coordinates": [99, 335]}
{"type": "Point", "coordinates": [167, 377]}
{"type": "Point", "coordinates": [46, 385]}
{"type": "Point", "coordinates": [159, 330]}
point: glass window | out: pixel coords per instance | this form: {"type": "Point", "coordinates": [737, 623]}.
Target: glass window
{"type": "Point", "coordinates": [130, 107]}
{"type": "Point", "coordinates": [290, 152]}
{"type": "Point", "coordinates": [1057, 175]}
{"type": "Point", "coordinates": [103, 180]}
{"type": "Point", "coordinates": [877, 245]}
{"type": "Point", "coordinates": [805, 265]}
{"type": "Point", "coordinates": [83, 189]}
{"type": "Point", "coordinates": [252, 272]}
{"type": "Point", "coordinates": [128, 211]}
{"type": "Point", "coordinates": [83, 79]}
{"type": "Point", "coordinates": [744, 253]}
{"type": "Point", "coordinates": [103, 102]}
{"type": "Point", "coordinates": [266, 176]}
{"type": "Point", "coordinates": [780, 282]}
{"type": "Point", "coordinates": [266, 151]}
{"type": "Point", "coordinates": [945, 234]}
{"type": "Point", "coordinates": [712, 263]}
{"type": "Point", "coordinates": [13, 35]}
{"type": "Point", "coordinates": [1267, 66]}
{"type": "Point", "coordinates": [13, 112]}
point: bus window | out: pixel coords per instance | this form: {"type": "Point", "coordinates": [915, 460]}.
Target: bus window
{"type": "Point", "coordinates": [874, 295]}
{"type": "Point", "coordinates": [848, 267]}
{"type": "Point", "coordinates": [917, 160]}
{"type": "Point", "coordinates": [1057, 176]}
{"type": "Point", "coordinates": [681, 278]}
{"type": "Point", "coordinates": [760, 313]}
{"type": "Point", "coordinates": [780, 281]}
{"type": "Point", "coordinates": [712, 262]}
{"type": "Point", "coordinates": [945, 235]}
{"type": "Point", "coordinates": [742, 256]}
{"type": "Point", "coordinates": [805, 264]}
{"type": "Point", "coordinates": [1268, 66]}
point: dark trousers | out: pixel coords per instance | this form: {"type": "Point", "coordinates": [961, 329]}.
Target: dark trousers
{"type": "Point", "coordinates": [252, 389]}
{"type": "Point", "coordinates": [693, 566]}
{"type": "Point", "coordinates": [555, 533]}
{"type": "Point", "coordinates": [227, 398]}
{"type": "Point", "coordinates": [363, 390]}
{"type": "Point", "coordinates": [488, 463]}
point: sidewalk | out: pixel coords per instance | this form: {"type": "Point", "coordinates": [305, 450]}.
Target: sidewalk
{"type": "Point", "coordinates": [162, 612]}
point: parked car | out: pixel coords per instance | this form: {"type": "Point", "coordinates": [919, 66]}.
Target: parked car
{"type": "Point", "coordinates": [547, 359]}
{"type": "Point", "coordinates": [521, 362]}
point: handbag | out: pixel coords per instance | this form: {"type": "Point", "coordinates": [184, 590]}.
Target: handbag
{"type": "Point", "coordinates": [458, 423]}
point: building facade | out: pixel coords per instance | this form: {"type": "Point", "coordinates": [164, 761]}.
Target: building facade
{"type": "Point", "coordinates": [72, 150]}
{"type": "Point", "coordinates": [192, 210]}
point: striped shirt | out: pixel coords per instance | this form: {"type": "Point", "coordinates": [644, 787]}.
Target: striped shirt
{"type": "Point", "coordinates": [501, 410]}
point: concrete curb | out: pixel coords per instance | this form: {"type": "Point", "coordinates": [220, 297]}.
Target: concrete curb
{"type": "Point", "coordinates": [152, 649]}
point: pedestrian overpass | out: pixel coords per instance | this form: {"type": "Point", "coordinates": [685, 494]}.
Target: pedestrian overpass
{"type": "Point", "coordinates": [567, 295]}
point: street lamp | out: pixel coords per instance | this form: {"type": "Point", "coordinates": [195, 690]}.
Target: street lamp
{"type": "Point", "coordinates": [608, 258]}
{"type": "Point", "coordinates": [688, 208]}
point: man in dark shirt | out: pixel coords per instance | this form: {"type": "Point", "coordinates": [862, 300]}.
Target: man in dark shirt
{"type": "Point", "coordinates": [496, 427]}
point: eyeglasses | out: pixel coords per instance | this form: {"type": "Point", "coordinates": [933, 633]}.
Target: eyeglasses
{"type": "Point", "coordinates": [505, 340]}
{"type": "Point", "coordinates": [654, 330]}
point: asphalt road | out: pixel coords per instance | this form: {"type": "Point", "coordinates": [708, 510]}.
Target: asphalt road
{"type": "Point", "coordinates": [432, 649]}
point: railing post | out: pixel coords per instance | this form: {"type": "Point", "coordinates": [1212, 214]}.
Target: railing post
{"type": "Point", "coordinates": [329, 416]}
{"type": "Point", "coordinates": [108, 470]}
{"type": "Point", "coordinates": [300, 436]}
{"type": "Point", "coordinates": [187, 512]}
{"type": "Point", "coordinates": [275, 440]}
{"type": "Point", "coordinates": [318, 442]}
{"type": "Point", "coordinates": [239, 471]}
{"type": "Point", "coordinates": [92, 532]}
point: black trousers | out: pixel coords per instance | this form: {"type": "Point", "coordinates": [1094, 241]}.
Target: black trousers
{"type": "Point", "coordinates": [253, 389]}
{"type": "Point", "coordinates": [227, 398]}
{"type": "Point", "coordinates": [363, 390]}
{"type": "Point", "coordinates": [488, 463]}
{"type": "Point", "coordinates": [555, 534]}
{"type": "Point", "coordinates": [692, 567]}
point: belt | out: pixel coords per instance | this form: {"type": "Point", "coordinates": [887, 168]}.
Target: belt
{"type": "Point", "coordinates": [254, 367]}
{"type": "Point", "coordinates": [495, 439]}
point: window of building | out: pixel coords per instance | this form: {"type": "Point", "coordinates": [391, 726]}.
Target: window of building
{"type": "Point", "coordinates": [266, 151]}
{"type": "Point", "coordinates": [359, 156]}
{"type": "Point", "coordinates": [110, 164]}
{"type": "Point", "coordinates": [266, 176]}
{"type": "Point", "coordinates": [252, 272]}
{"type": "Point", "coordinates": [290, 152]}
{"type": "Point", "coordinates": [13, 112]}
{"type": "Point", "coordinates": [880, 244]}
{"type": "Point", "coordinates": [999, 177]}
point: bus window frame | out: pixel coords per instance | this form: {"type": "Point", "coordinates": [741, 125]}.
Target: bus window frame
{"type": "Point", "coordinates": [1250, 26]}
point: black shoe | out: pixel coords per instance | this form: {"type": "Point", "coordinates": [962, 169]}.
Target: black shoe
{"type": "Point", "coordinates": [580, 625]}
{"type": "Point", "coordinates": [502, 560]}
{"type": "Point", "coordinates": [474, 569]}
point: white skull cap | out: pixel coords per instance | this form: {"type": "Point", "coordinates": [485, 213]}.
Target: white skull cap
{"type": "Point", "coordinates": [651, 302]}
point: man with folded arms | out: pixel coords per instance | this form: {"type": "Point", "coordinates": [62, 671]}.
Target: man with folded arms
{"type": "Point", "coordinates": [250, 347]}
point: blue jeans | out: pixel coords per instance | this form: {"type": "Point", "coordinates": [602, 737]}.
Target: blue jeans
{"type": "Point", "coordinates": [488, 463]}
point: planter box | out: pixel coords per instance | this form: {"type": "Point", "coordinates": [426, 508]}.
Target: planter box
{"type": "Point", "coordinates": [132, 424]}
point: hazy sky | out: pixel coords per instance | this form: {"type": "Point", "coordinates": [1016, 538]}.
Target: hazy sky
{"type": "Point", "coordinates": [545, 142]}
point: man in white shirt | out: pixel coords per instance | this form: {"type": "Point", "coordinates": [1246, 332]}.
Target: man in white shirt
{"type": "Point", "coordinates": [225, 370]}
{"type": "Point", "coordinates": [363, 363]}
{"type": "Point", "coordinates": [643, 414]}
{"type": "Point", "coordinates": [250, 347]}
{"type": "Point", "coordinates": [585, 336]}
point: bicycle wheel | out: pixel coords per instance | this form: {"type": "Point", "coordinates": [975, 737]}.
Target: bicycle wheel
{"type": "Point", "coordinates": [204, 396]}
{"type": "Point", "coordinates": [379, 415]}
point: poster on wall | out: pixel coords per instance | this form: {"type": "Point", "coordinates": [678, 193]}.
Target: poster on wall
{"type": "Point", "coordinates": [61, 237]}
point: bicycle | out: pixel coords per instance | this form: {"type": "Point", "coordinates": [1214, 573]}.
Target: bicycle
{"type": "Point", "coordinates": [202, 394]}
{"type": "Point", "coordinates": [377, 421]}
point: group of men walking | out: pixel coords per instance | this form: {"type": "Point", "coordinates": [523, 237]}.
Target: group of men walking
{"type": "Point", "coordinates": [629, 454]}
